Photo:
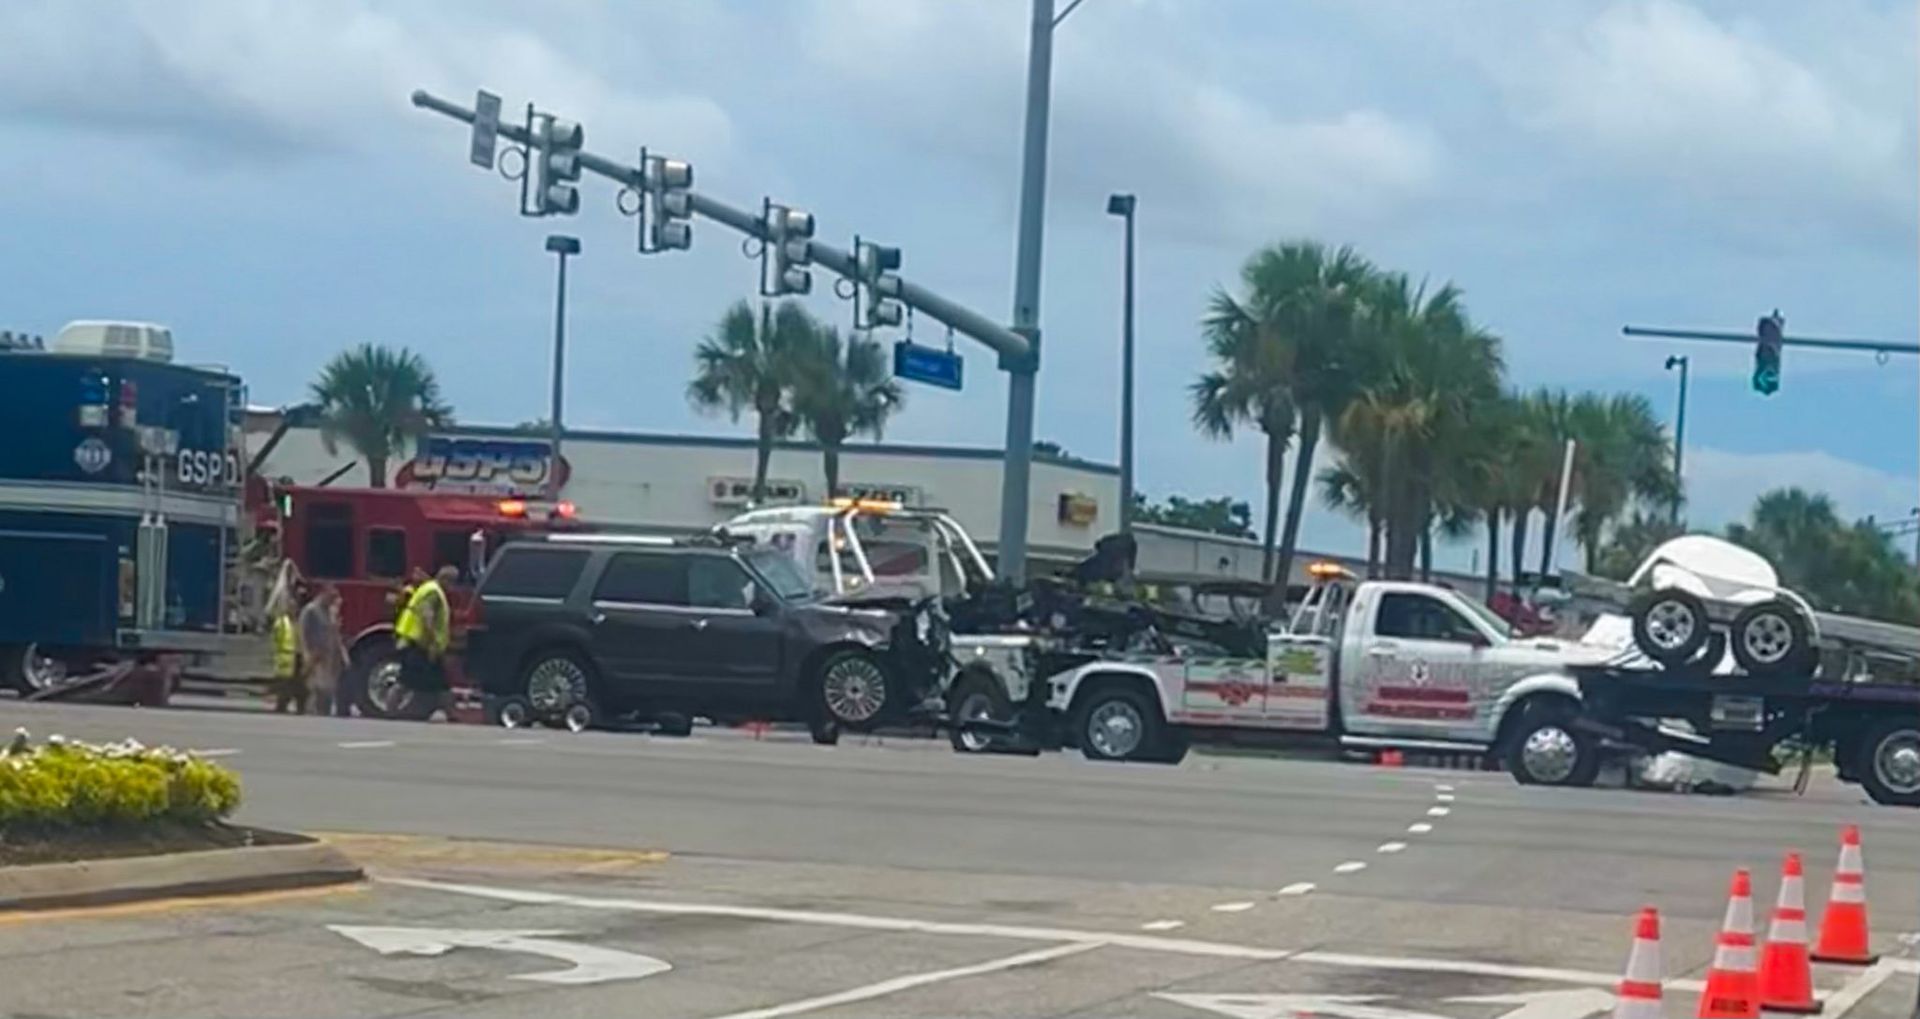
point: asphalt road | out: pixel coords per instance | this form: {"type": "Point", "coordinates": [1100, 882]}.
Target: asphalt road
{"type": "Point", "coordinates": [896, 878]}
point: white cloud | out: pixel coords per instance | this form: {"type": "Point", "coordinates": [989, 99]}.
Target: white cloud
{"type": "Point", "coordinates": [1217, 153]}
{"type": "Point", "coordinates": [1656, 89]}
{"type": "Point", "coordinates": [1722, 486]}
{"type": "Point", "coordinates": [281, 78]}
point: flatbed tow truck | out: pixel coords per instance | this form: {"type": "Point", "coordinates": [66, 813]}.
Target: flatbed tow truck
{"type": "Point", "coordinates": [1738, 719]}
{"type": "Point", "coordinates": [1722, 663]}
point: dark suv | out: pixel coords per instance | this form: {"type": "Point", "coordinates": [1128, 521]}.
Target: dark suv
{"type": "Point", "coordinates": [581, 628]}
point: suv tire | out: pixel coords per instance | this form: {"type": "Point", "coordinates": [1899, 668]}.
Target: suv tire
{"type": "Point", "coordinates": [851, 690]}
{"type": "Point", "coordinates": [552, 679]}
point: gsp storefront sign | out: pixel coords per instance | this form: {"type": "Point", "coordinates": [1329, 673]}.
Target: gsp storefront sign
{"type": "Point", "coordinates": [483, 466]}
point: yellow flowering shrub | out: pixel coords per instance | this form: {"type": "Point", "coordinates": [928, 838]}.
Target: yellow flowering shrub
{"type": "Point", "coordinates": [65, 783]}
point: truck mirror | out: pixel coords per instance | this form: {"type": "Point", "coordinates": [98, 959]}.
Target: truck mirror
{"type": "Point", "coordinates": [476, 555]}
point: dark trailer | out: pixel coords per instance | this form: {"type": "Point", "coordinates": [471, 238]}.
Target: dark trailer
{"type": "Point", "coordinates": [120, 493]}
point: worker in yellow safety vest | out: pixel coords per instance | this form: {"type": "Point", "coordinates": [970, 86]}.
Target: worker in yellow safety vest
{"type": "Point", "coordinates": [424, 630]}
{"type": "Point", "coordinates": [288, 685]}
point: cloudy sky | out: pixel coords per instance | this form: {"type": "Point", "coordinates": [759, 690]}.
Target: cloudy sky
{"type": "Point", "coordinates": [251, 173]}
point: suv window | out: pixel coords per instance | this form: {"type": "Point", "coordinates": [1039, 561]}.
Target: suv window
{"type": "Point", "coordinates": [535, 572]}
{"type": "Point", "coordinates": [646, 578]}
{"type": "Point", "coordinates": [1419, 617]}
{"type": "Point", "coordinates": [717, 582]}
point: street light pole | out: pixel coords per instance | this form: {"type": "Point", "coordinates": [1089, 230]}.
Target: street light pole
{"type": "Point", "coordinates": [1021, 375]}
{"type": "Point", "coordinates": [1679, 428]}
{"type": "Point", "coordinates": [562, 246]}
{"type": "Point", "coordinates": [1123, 205]}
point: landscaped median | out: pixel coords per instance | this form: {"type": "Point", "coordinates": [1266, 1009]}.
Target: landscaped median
{"type": "Point", "coordinates": [86, 824]}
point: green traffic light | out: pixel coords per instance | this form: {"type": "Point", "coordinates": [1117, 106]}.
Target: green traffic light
{"type": "Point", "coordinates": [1766, 381]}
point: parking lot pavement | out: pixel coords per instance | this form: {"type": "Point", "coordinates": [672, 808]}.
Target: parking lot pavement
{"type": "Point", "coordinates": [484, 929]}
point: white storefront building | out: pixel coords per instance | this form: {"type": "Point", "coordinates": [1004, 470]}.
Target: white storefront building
{"type": "Point", "coordinates": [685, 483]}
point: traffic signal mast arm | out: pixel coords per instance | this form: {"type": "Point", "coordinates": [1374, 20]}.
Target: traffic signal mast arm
{"type": "Point", "coordinates": [1871, 346]}
{"type": "Point", "coordinates": [1014, 349]}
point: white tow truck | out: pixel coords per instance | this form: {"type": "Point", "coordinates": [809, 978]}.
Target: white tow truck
{"type": "Point", "coordinates": [1371, 663]}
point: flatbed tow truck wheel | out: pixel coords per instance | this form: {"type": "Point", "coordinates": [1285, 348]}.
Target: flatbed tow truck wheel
{"type": "Point", "coordinates": [1670, 626]}
{"type": "Point", "coordinates": [1118, 724]}
{"type": "Point", "coordinates": [1888, 762]}
{"type": "Point", "coordinates": [1770, 637]}
{"type": "Point", "coordinates": [1547, 749]}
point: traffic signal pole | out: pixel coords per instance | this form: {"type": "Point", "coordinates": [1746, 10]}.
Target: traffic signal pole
{"type": "Point", "coordinates": [1870, 346]}
{"type": "Point", "coordinates": [1018, 348]}
{"type": "Point", "coordinates": [1000, 339]}
{"type": "Point", "coordinates": [1023, 372]}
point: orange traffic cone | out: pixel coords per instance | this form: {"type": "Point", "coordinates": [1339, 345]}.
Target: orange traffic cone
{"type": "Point", "coordinates": [1843, 930]}
{"type": "Point", "coordinates": [1786, 974]}
{"type": "Point", "coordinates": [1639, 993]}
{"type": "Point", "coordinates": [1733, 988]}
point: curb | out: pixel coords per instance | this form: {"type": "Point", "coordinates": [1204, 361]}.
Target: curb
{"type": "Point", "coordinates": [174, 875]}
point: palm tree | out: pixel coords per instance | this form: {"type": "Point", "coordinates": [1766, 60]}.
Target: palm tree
{"type": "Point", "coordinates": [1424, 373]}
{"type": "Point", "coordinates": [1344, 487]}
{"type": "Point", "coordinates": [1249, 385]}
{"type": "Point", "coordinates": [378, 399]}
{"type": "Point", "coordinates": [842, 390]}
{"type": "Point", "coordinates": [1308, 298]}
{"type": "Point", "coordinates": [1622, 458]}
{"type": "Point", "coordinates": [750, 364]}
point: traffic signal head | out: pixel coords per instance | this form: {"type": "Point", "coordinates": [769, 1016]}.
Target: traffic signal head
{"type": "Point", "coordinates": [557, 166]}
{"type": "Point", "coordinates": [1766, 354]}
{"type": "Point", "coordinates": [671, 226]}
{"type": "Point", "coordinates": [787, 251]}
{"type": "Point", "coordinates": [878, 267]}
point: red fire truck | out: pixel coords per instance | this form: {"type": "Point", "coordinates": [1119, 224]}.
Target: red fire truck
{"type": "Point", "coordinates": [369, 542]}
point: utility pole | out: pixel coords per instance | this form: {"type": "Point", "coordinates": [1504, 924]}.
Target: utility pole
{"type": "Point", "coordinates": [1679, 429]}
{"type": "Point", "coordinates": [562, 246]}
{"type": "Point", "coordinates": [1023, 374]}
{"type": "Point", "coordinates": [1123, 205]}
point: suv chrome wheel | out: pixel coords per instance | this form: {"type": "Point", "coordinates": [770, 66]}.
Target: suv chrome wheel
{"type": "Point", "coordinates": [554, 683]}
{"type": "Point", "coordinates": [854, 688]}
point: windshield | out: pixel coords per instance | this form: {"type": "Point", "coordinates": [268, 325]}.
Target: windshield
{"type": "Point", "coordinates": [1487, 616]}
{"type": "Point", "coordinates": [779, 573]}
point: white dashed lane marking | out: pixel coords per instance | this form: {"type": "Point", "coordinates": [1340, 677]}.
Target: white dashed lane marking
{"type": "Point", "coordinates": [1391, 847]}
{"type": "Point", "coordinates": [1443, 797]}
{"type": "Point", "coordinates": [1297, 888]}
{"type": "Point", "coordinates": [521, 741]}
{"type": "Point", "coordinates": [365, 744]}
{"type": "Point", "coordinates": [1163, 925]}
{"type": "Point", "coordinates": [1438, 811]}
{"type": "Point", "coordinates": [1419, 828]}
{"type": "Point", "coordinates": [1232, 907]}
{"type": "Point", "coordinates": [1442, 787]}
{"type": "Point", "coordinates": [1350, 866]}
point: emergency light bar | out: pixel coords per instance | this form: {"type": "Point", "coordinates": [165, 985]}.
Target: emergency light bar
{"type": "Point", "coordinates": [869, 505]}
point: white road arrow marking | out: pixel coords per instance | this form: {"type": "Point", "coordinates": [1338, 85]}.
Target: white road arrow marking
{"type": "Point", "coordinates": [1288, 1006]}
{"type": "Point", "coordinates": [1574, 1004]}
{"type": "Point", "coordinates": [591, 964]}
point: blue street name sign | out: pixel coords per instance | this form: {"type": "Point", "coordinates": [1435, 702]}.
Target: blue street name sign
{"type": "Point", "coordinates": [930, 365]}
